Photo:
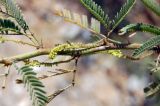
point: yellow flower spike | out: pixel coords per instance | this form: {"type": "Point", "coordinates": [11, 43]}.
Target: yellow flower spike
{"type": "Point", "coordinates": [62, 47]}
{"type": "Point", "coordinates": [116, 53]}
{"type": "Point", "coordinates": [56, 49]}
{"type": "Point", "coordinates": [35, 63]}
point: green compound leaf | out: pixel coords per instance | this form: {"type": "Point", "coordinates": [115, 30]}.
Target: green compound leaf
{"type": "Point", "coordinates": [34, 86]}
{"type": "Point", "coordinates": [14, 11]}
{"type": "Point", "coordinates": [7, 26]}
{"type": "Point", "coordinates": [122, 13]}
{"type": "Point", "coordinates": [152, 89]}
{"type": "Point", "coordinates": [81, 20]}
{"type": "Point", "coordinates": [152, 5]}
{"type": "Point", "coordinates": [97, 11]}
{"type": "Point", "coordinates": [140, 27]}
{"type": "Point", "coordinates": [147, 45]}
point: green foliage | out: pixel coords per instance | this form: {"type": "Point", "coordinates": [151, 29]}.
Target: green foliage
{"type": "Point", "coordinates": [97, 11]}
{"type": "Point", "coordinates": [152, 89]}
{"type": "Point", "coordinates": [7, 26]}
{"type": "Point", "coordinates": [80, 20]}
{"type": "Point", "coordinates": [33, 85]}
{"type": "Point", "coordinates": [140, 27]}
{"type": "Point", "coordinates": [147, 45]}
{"type": "Point", "coordinates": [122, 13]}
{"type": "Point", "coordinates": [152, 5]}
{"type": "Point", "coordinates": [14, 11]}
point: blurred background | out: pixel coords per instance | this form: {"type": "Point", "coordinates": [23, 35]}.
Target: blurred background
{"type": "Point", "coordinates": [102, 80]}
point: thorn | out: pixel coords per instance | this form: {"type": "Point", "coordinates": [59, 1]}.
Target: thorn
{"type": "Point", "coordinates": [19, 81]}
{"type": "Point", "coordinates": [42, 46]}
{"type": "Point", "coordinates": [131, 35]}
{"type": "Point", "coordinates": [55, 94]}
{"type": "Point", "coordinates": [75, 70]}
{"type": "Point", "coordinates": [4, 81]}
{"type": "Point", "coordinates": [76, 61]}
{"type": "Point", "coordinates": [74, 76]}
{"type": "Point", "coordinates": [69, 43]}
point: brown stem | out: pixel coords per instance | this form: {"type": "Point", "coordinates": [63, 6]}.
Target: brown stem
{"type": "Point", "coordinates": [9, 60]}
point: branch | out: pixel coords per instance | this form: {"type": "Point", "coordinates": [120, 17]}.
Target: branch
{"type": "Point", "coordinates": [47, 64]}
{"type": "Point", "coordinates": [57, 62]}
{"type": "Point", "coordinates": [55, 94]}
{"type": "Point", "coordinates": [9, 60]}
{"type": "Point", "coordinates": [104, 48]}
{"type": "Point", "coordinates": [52, 74]}
{"type": "Point", "coordinates": [3, 39]}
{"type": "Point", "coordinates": [80, 52]}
